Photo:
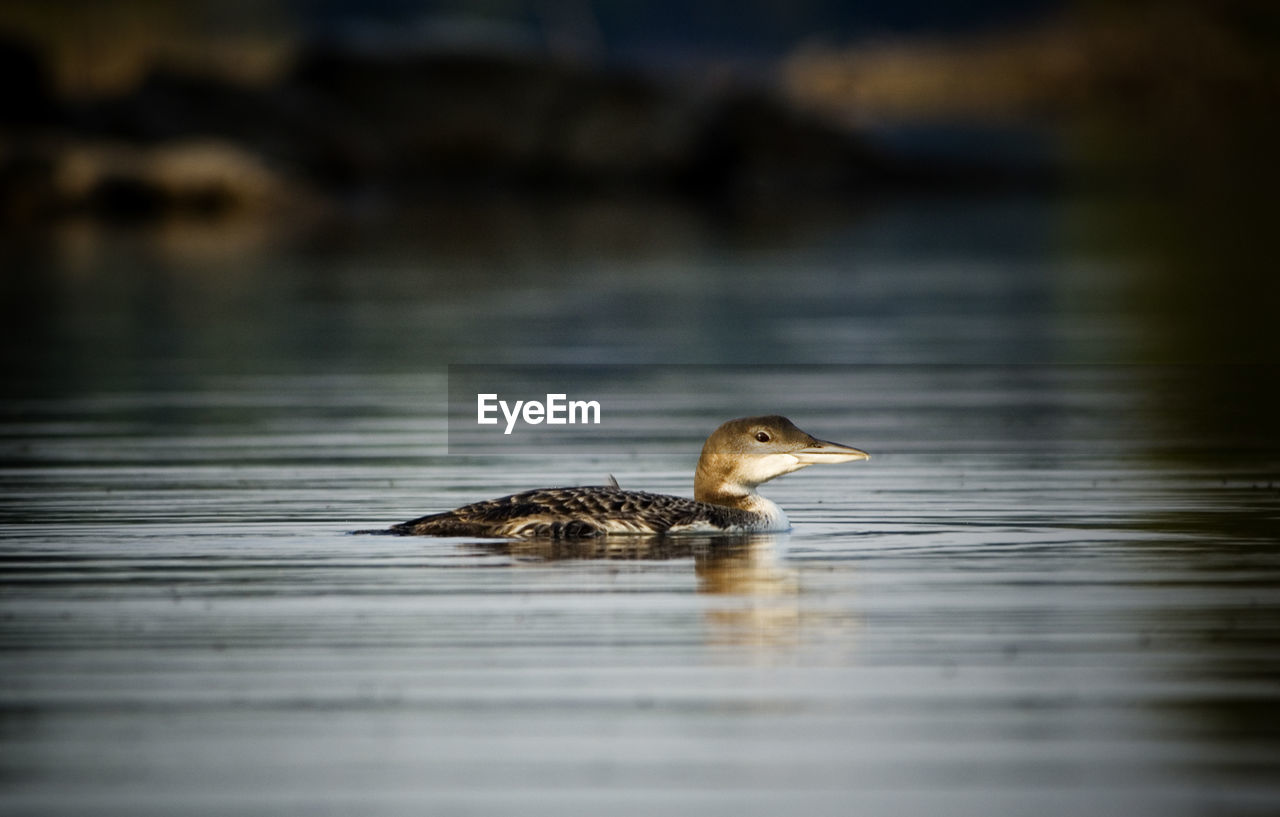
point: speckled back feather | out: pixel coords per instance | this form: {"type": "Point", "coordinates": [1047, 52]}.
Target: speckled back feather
{"type": "Point", "coordinates": [570, 513]}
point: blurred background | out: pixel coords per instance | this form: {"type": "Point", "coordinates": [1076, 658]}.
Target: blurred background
{"type": "Point", "coordinates": [221, 188]}
{"type": "Point", "coordinates": [385, 184]}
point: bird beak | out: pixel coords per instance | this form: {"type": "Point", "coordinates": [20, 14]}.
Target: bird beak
{"type": "Point", "coordinates": [821, 451]}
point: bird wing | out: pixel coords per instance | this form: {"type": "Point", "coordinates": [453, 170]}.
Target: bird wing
{"type": "Point", "coordinates": [570, 513]}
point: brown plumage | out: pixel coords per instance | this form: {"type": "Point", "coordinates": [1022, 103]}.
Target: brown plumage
{"type": "Point", "coordinates": [576, 512]}
{"type": "Point", "coordinates": [738, 456]}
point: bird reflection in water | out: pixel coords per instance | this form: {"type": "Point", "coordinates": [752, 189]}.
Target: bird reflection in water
{"type": "Point", "coordinates": [764, 608]}
{"type": "Point", "coordinates": [757, 594]}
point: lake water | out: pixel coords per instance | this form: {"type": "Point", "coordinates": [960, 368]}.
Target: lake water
{"type": "Point", "coordinates": [1054, 589]}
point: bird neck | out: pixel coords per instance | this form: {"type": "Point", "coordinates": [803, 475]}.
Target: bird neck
{"type": "Point", "coordinates": [714, 482]}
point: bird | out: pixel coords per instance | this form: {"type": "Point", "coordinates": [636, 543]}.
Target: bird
{"type": "Point", "coordinates": [737, 458]}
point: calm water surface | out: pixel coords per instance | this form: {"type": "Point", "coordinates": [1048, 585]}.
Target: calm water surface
{"type": "Point", "coordinates": [1055, 589]}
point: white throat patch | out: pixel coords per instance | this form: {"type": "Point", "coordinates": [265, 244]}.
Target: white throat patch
{"type": "Point", "coordinates": [753, 471]}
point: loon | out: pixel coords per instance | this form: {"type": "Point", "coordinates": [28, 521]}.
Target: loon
{"type": "Point", "coordinates": [738, 456]}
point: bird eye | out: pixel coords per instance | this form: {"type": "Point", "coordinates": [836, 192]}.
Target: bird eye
{"type": "Point", "coordinates": [762, 436]}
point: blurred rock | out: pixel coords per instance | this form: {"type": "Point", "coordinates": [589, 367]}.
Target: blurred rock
{"type": "Point", "coordinates": [496, 119]}
{"type": "Point", "coordinates": [513, 120]}
{"type": "Point", "coordinates": [123, 181]}
{"type": "Point", "coordinates": [403, 124]}
{"type": "Point", "coordinates": [1147, 93]}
